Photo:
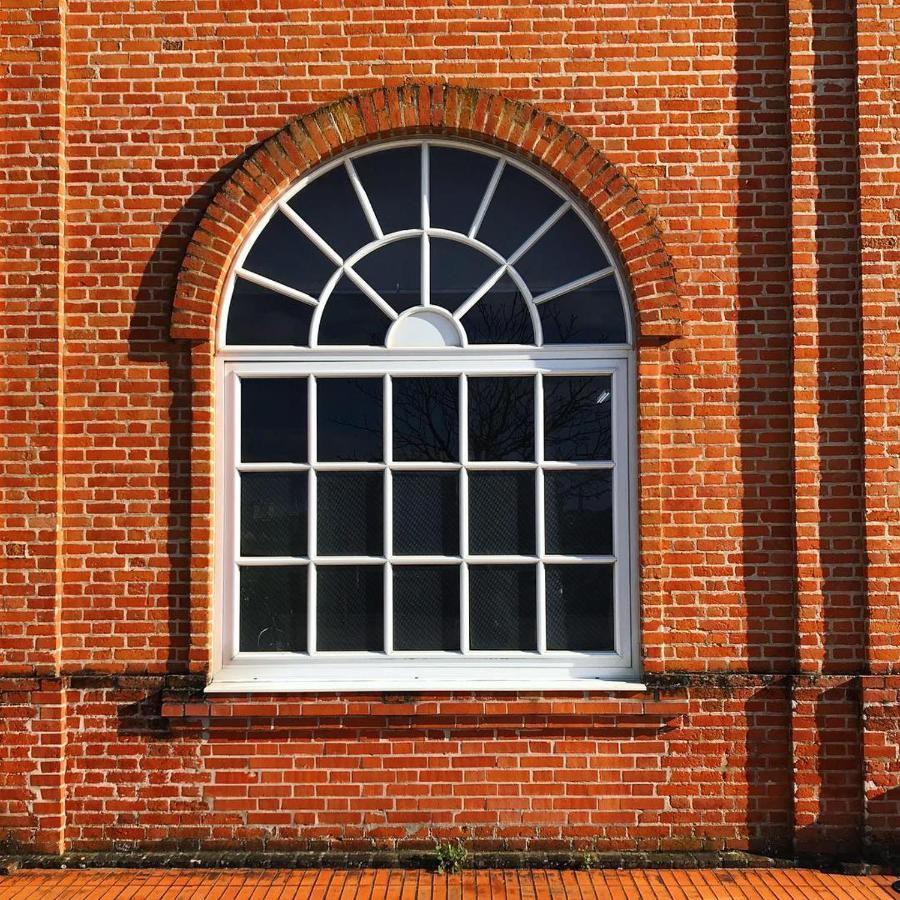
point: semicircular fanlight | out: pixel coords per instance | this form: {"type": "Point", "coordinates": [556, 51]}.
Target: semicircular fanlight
{"type": "Point", "coordinates": [504, 256]}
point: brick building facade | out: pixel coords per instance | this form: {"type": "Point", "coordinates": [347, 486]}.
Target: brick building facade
{"type": "Point", "coordinates": [741, 157]}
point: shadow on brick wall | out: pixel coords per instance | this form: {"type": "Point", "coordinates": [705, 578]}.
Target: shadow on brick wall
{"type": "Point", "coordinates": [149, 343]}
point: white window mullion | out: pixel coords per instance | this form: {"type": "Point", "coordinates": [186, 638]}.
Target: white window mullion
{"type": "Point", "coordinates": [388, 526]}
{"type": "Point", "coordinates": [234, 532]}
{"type": "Point", "coordinates": [463, 515]}
{"type": "Point", "coordinates": [426, 224]}
{"type": "Point", "coordinates": [311, 451]}
{"type": "Point", "coordinates": [539, 518]}
{"type": "Point", "coordinates": [486, 199]}
{"type": "Point", "coordinates": [363, 198]}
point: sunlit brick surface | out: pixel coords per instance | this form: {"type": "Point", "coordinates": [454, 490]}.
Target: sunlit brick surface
{"type": "Point", "coordinates": [412, 885]}
{"type": "Point", "coordinates": [743, 158]}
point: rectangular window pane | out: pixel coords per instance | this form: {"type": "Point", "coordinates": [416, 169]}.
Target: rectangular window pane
{"type": "Point", "coordinates": [426, 419]}
{"type": "Point", "coordinates": [350, 419]}
{"type": "Point", "coordinates": [273, 608]}
{"type": "Point", "coordinates": [426, 513]}
{"type": "Point", "coordinates": [273, 420]}
{"type": "Point", "coordinates": [350, 608]}
{"type": "Point", "coordinates": [349, 513]}
{"type": "Point", "coordinates": [579, 512]}
{"type": "Point", "coordinates": [580, 607]}
{"type": "Point", "coordinates": [426, 607]}
{"type": "Point", "coordinates": [501, 512]}
{"type": "Point", "coordinates": [502, 612]}
{"type": "Point", "coordinates": [273, 513]}
{"type": "Point", "coordinates": [501, 419]}
{"type": "Point", "coordinates": [578, 417]}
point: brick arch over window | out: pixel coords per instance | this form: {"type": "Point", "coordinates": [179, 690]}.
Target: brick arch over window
{"type": "Point", "coordinates": [419, 109]}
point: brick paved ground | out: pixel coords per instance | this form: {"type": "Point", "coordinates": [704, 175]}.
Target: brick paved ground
{"type": "Point", "coordinates": [328, 884]}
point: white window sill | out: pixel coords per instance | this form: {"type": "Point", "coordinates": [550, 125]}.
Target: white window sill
{"type": "Point", "coordinates": [412, 676]}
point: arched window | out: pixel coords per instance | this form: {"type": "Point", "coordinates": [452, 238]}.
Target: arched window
{"type": "Point", "coordinates": [426, 434]}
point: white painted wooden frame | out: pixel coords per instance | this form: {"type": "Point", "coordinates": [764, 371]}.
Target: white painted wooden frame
{"type": "Point", "coordinates": [432, 670]}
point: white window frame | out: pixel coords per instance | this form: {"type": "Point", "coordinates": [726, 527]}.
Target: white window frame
{"type": "Point", "coordinates": [273, 672]}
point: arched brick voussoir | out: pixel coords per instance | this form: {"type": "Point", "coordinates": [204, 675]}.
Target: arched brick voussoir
{"type": "Point", "coordinates": [426, 109]}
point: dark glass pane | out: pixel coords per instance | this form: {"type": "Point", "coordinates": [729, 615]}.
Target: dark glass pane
{"type": "Point", "coordinates": [273, 608]}
{"type": "Point", "coordinates": [459, 179]}
{"type": "Point", "coordinates": [579, 512]}
{"type": "Point", "coordinates": [394, 271]}
{"type": "Point", "coordinates": [578, 417]}
{"type": "Point", "coordinates": [520, 205]}
{"type": "Point", "coordinates": [590, 315]}
{"type": "Point", "coordinates": [426, 419]}
{"type": "Point", "coordinates": [426, 513]}
{"type": "Point", "coordinates": [501, 512]}
{"type": "Point", "coordinates": [350, 608]}
{"type": "Point", "coordinates": [457, 270]}
{"type": "Point", "coordinates": [349, 513]}
{"type": "Point", "coordinates": [350, 317]}
{"type": "Point", "coordinates": [260, 317]}
{"type": "Point", "coordinates": [502, 613]}
{"type": "Point", "coordinates": [426, 608]}
{"type": "Point", "coordinates": [580, 607]}
{"type": "Point", "coordinates": [330, 206]}
{"type": "Point", "coordinates": [566, 252]}
{"type": "Point", "coordinates": [273, 513]}
{"type": "Point", "coordinates": [283, 253]}
{"type": "Point", "coordinates": [392, 180]}
{"type": "Point", "coordinates": [501, 419]}
{"type": "Point", "coordinates": [351, 420]}
{"type": "Point", "coordinates": [273, 420]}
{"type": "Point", "coordinates": [500, 317]}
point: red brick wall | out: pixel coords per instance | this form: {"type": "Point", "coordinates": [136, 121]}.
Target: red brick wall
{"type": "Point", "coordinates": [761, 141]}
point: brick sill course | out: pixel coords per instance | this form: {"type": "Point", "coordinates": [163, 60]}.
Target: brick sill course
{"type": "Point", "coordinates": [427, 860]}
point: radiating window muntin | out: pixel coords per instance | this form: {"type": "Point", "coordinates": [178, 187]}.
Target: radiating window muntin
{"type": "Point", "coordinates": [576, 297]}
{"type": "Point", "coordinates": [566, 642]}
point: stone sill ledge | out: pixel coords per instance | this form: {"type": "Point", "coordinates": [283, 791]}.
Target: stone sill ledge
{"type": "Point", "coordinates": [360, 710]}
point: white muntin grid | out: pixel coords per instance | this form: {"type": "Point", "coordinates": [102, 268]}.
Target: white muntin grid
{"type": "Point", "coordinates": [389, 668]}
{"type": "Point", "coordinates": [313, 373]}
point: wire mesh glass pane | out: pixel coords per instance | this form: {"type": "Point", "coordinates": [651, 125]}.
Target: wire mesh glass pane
{"type": "Point", "coordinates": [426, 419]}
{"type": "Point", "coordinates": [272, 614]}
{"type": "Point", "coordinates": [349, 513]}
{"type": "Point", "coordinates": [273, 420]}
{"type": "Point", "coordinates": [330, 206]}
{"type": "Point", "coordinates": [459, 179]}
{"type": "Point", "coordinates": [350, 608]}
{"type": "Point", "coordinates": [273, 513]}
{"type": "Point", "coordinates": [286, 255]}
{"type": "Point", "coordinates": [426, 607]}
{"type": "Point", "coordinates": [578, 417]}
{"type": "Point", "coordinates": [393, 182]}
{"type": "Point", "coordinates": [501, 419]}
{"type": "Point", "coordinates": [590, 315]}
{"type": "Point", "coordinates": [394, 271]}
{"type": "Point", "coordinates": [502, 608]}
{"type": "Point", "coordinates": [457, 270]}
{"type": "Point", "coordinates": [351, 419]}
{"type": "Point", "coordinates": [580, 612]}
{"type": "Point", "coordinates": [566, 252]}
{"type": "Point", "coordinates": [501, 316]}
{"type": "Point", "coordinates": [260, 317]}
{"type": "Point", "coordinates": [350, 318]}
{"type": "Point", "coordinates": [501, 513]}
{"type": "Point", "coordinates": [521, 204]}
{"type": "Point", "coordinates": [426, 513]}
{"type": "Point", "coordinates": [578, 512]}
